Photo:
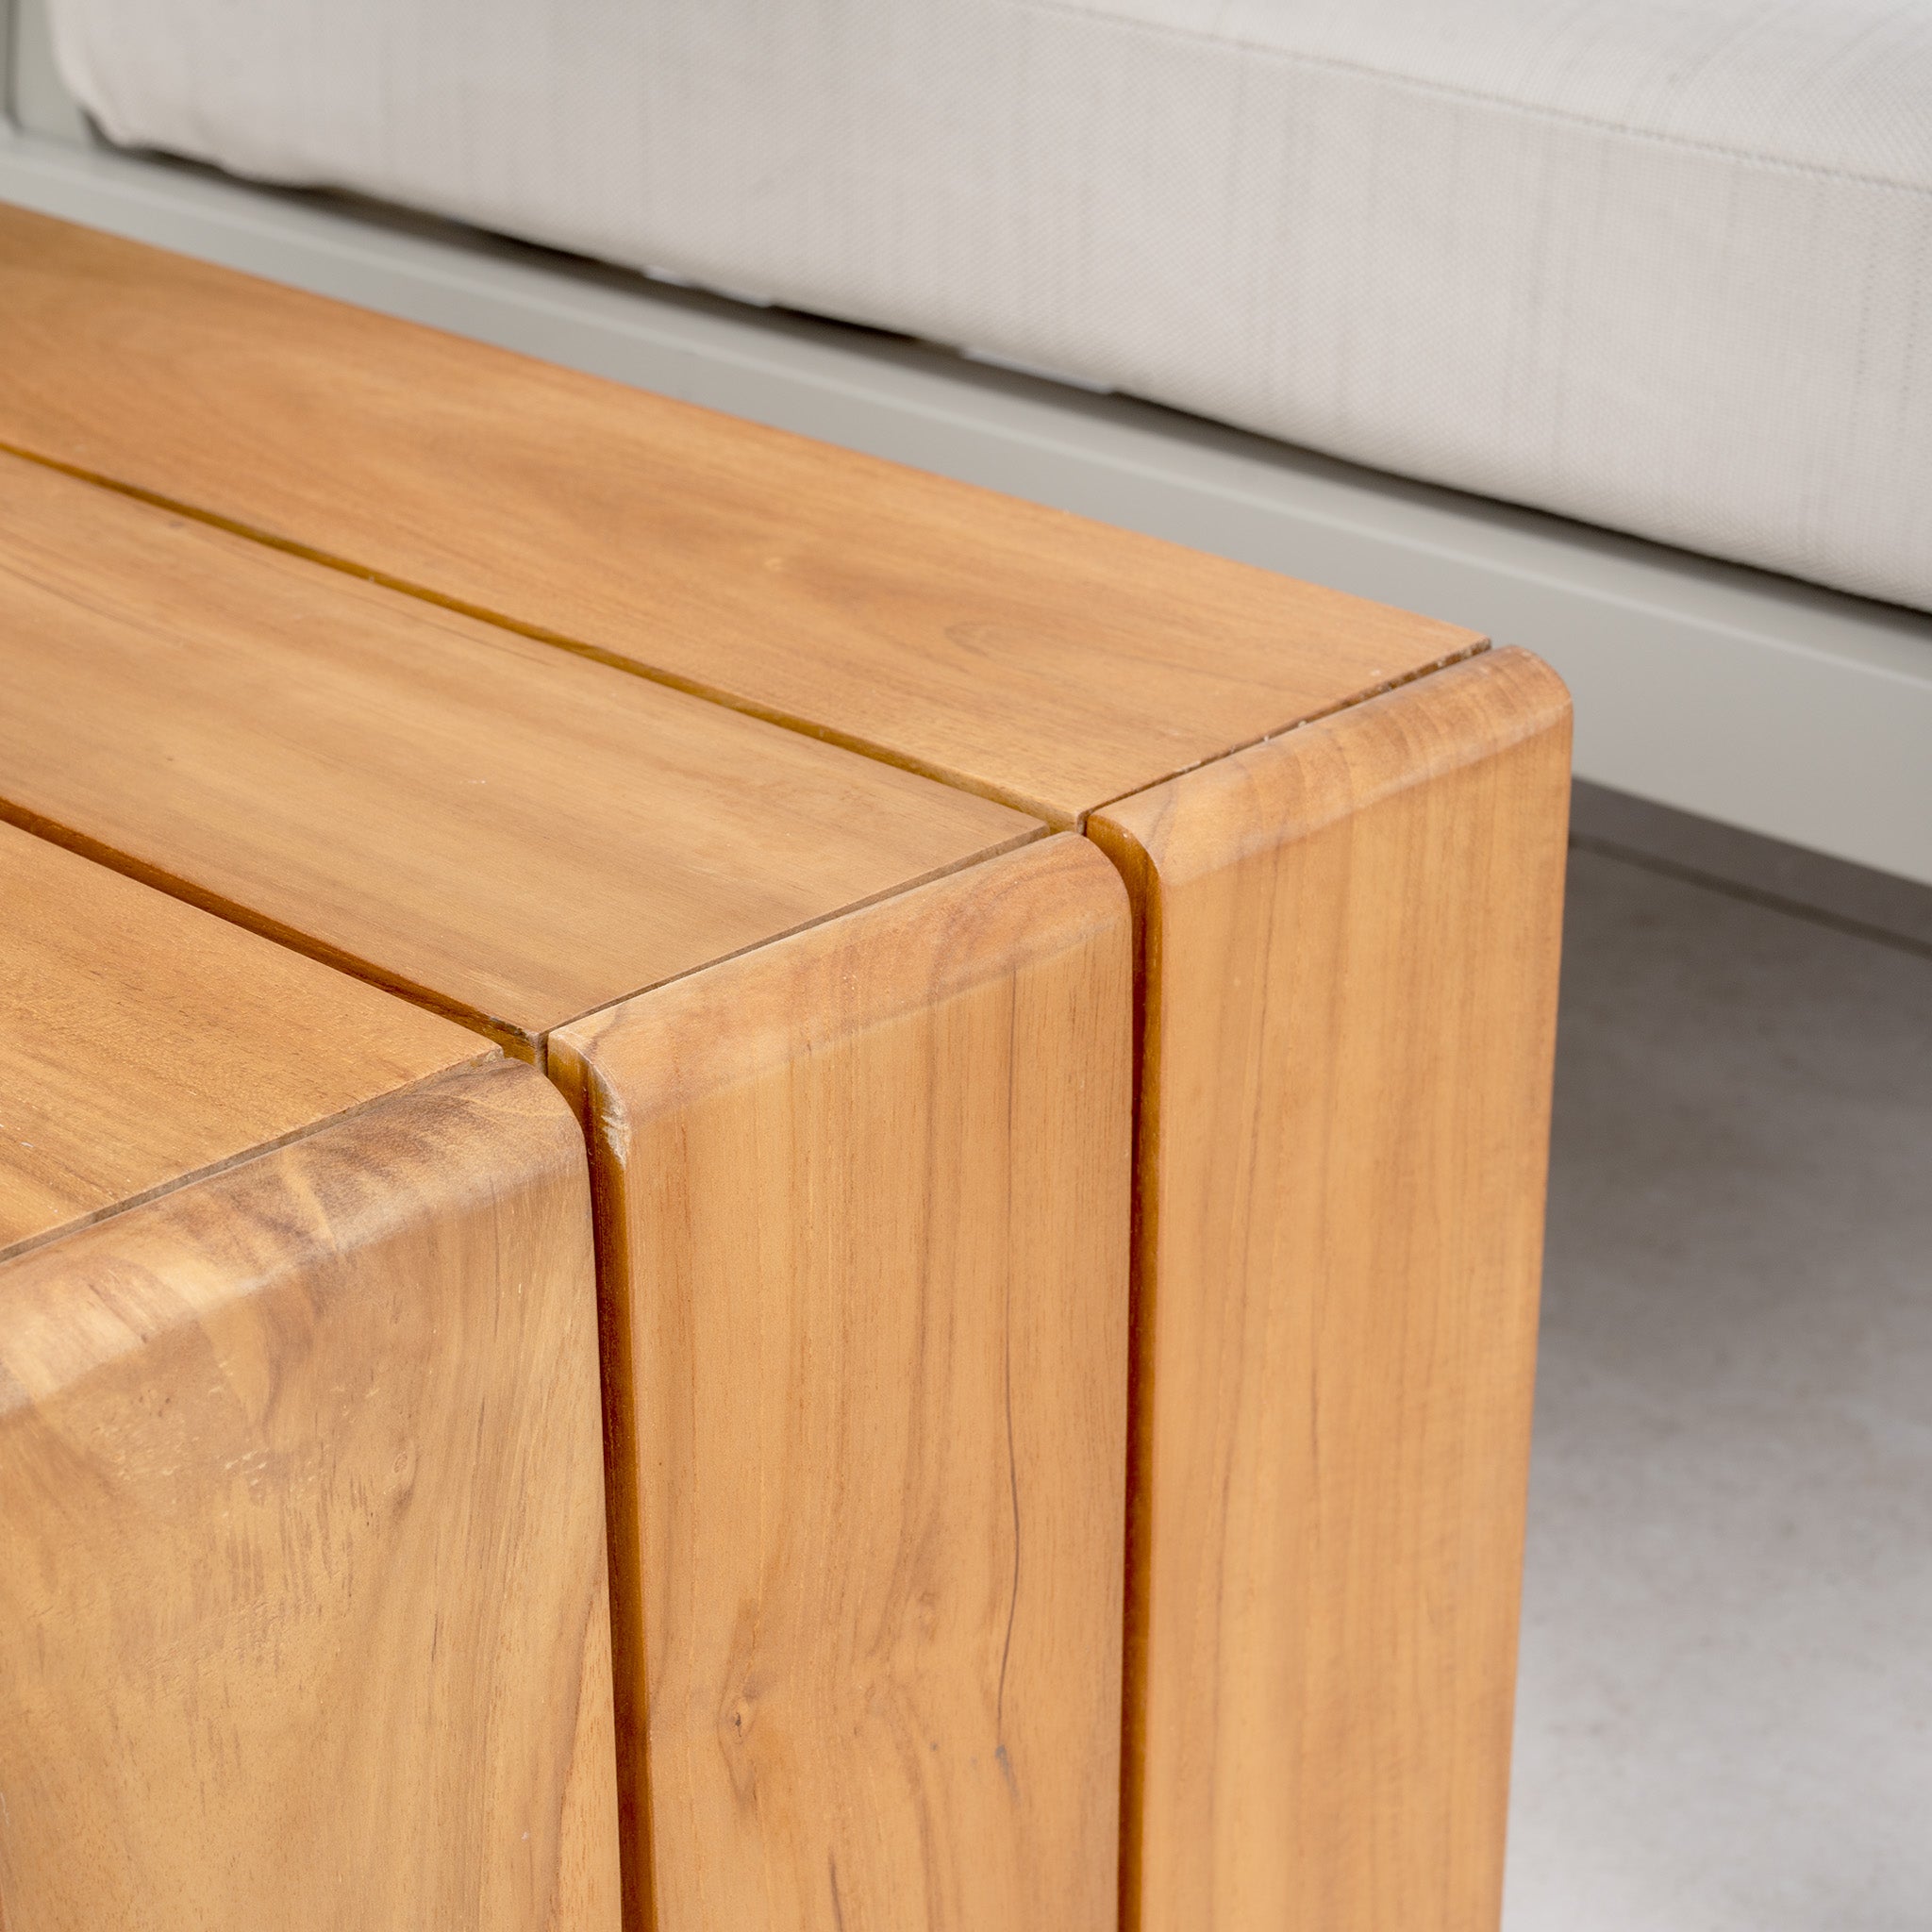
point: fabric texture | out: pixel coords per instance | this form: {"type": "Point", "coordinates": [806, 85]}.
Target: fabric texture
{"type": "Point", "coordinates": [1662, 265]}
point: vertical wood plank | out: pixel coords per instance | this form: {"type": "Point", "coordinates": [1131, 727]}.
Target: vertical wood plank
{"type": "Point", "coordinates": [1349, 944]}
{"type": "Point", "coordinates": [864, 1216]}
{"type": "Point", "coordinates": [303, 1605]}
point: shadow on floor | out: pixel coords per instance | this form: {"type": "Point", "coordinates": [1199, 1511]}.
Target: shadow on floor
{"type": "Point", "coordinates": [1725, 1722]}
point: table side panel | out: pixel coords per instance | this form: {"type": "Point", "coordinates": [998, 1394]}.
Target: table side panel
{"type": "Point", "coordinates": [303, 1601]}
{"type": "Point", "coordinates": [1350, 942]}
{"type": "Point", "coordinates": [864, 1201]}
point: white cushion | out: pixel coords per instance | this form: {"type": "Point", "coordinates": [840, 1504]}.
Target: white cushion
{"type": "Point", "coordinates": [1665, 265]}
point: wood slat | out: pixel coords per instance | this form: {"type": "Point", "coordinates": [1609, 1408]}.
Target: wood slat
{"type": "Point", "coordinates": [517, 836]}
{"type": "Point", "coordinates": [303, 1607]}
{"type": "Point", "coordinates": [1019, 652]}
{"type": "Point", "coordinates": [1350, 938]}
{"type": "Point", "coordinates": [510, 834]}
{"type": "Point", "coordinates": [865, 1259]}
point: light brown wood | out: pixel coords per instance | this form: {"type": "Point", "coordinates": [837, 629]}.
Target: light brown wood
{"type": "Point", "coordinates": [1350, 941]}
{"type": "Point", "coordinates": [865, 1248]}
{"type": "Point", "coordinates": [1019, 652]}
{"type": "Point", "coordinates": [502, 831]}
{"type": "Point", "coordinates": [303, 1607]}
{"type": "Point", "coordinates": [143, 1042]}
{"type": "Point", "coordinates": [1039, 660]}
{"type": "Point", "coordinates": [299, 749]}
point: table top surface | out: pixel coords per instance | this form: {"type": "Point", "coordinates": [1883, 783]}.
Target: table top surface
{"type": "Point", "coordinates": [1023, 653]}
{"type": "Point", "coordinates": [506, 831]}
{"type": "Point", "coordinates": [143, 1042]}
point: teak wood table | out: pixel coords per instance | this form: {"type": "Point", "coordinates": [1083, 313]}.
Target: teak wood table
{"type": "Point", "coordinates": [295, 1325]}
{"type": "Point", "coordinates": [852, 1052]}
{"type": "Point", "coordinates": [1342, 831]}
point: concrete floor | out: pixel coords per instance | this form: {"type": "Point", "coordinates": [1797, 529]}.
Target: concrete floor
{"type": "Point", "coordinates": [1725, 1722]}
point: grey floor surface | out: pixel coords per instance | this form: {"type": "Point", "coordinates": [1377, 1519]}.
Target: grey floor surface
{"type": "Point", "coordinates": [1725, 1721]}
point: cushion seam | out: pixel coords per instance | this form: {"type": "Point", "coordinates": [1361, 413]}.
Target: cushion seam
{"type": "Point", "coordinates": [1452, 91]}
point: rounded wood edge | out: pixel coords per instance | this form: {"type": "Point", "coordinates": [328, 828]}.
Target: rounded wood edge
{"type": "Point", "coordinates": [932, 943]}
{"type": "Point", "coordinates": [1293, 785]}
{"type": "Point", "coordinates": [481, 1129]}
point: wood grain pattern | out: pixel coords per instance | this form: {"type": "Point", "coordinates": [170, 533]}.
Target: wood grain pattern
{"type": "Point", "coordinates": [1349, 938]}
{"type": "Point", "coordinates": [864, 1226]}
{"type": "Point", "coordinates": [507, 833]}
{"type": "Point", "coordinates": [303, 1605]}
{"type": "Point", "coordinates": [142, 1042]}
{"type": "Point", "coordinates": [1016, 651]}
{"type": "Point", "coordinates": [1315, 1042]}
